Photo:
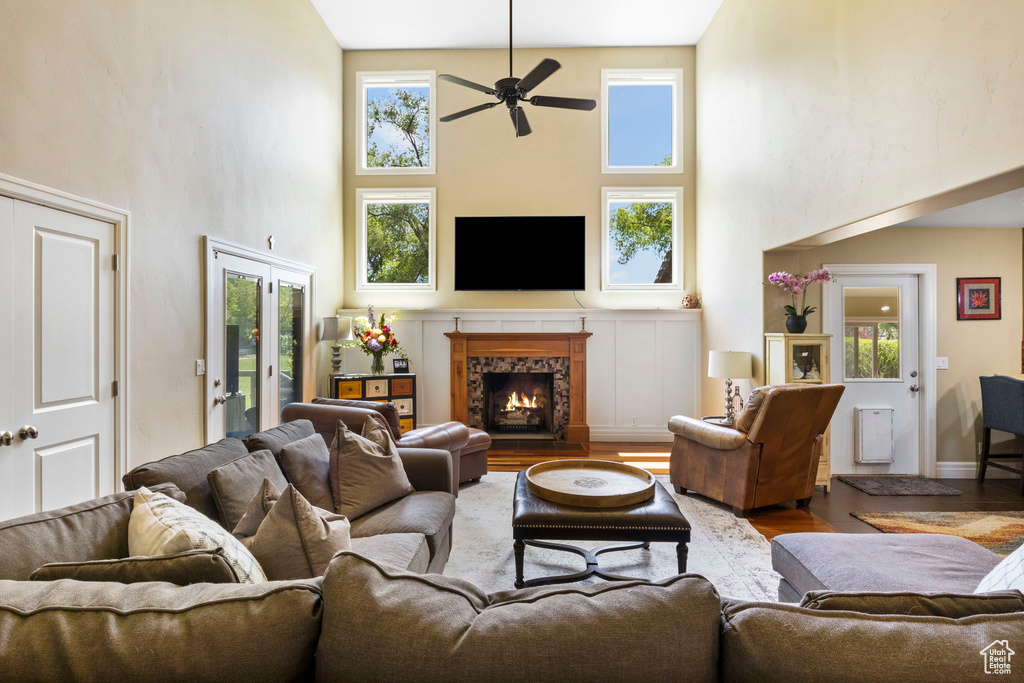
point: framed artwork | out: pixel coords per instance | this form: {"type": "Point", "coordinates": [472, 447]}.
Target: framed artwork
{"type": "Point", "coordinates": [978, 298]}
{"type": "Point", "coordinates": [401, 364]}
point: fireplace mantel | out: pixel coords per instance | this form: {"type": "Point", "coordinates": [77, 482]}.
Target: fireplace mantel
{"type": "Point", "coordinates": [571, 345]}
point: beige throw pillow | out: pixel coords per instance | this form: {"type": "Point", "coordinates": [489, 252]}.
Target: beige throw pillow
{"type": "Point", "coordinates": [257, 510]}
{"type": "Point", "coordinates": [162, 526]}
{"type": "Point", "coordinates": [297, 540]}
{"type": "Point", "coordinates": [307, 464]}
{"type": "Point", "coordinates": [233, 484]}
{"type": "Point", "coordinates": [365, 473]}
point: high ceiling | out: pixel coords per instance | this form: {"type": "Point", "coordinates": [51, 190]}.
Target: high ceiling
{"type": "Point", "coordinates": [464, 24]}
{"type": "Point", "coordinates": [999, 211]}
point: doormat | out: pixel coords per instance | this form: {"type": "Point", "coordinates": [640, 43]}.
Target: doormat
{"type": "Point", "coordinates": [899, 486]}
{"type": "Point", "coordinates": [1000, 532]}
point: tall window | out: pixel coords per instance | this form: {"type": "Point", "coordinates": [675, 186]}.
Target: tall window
{"type": "Point", "coordinates": [395, 240]}
{"type": "Point", "coordinates": [396, 122]}
{"type": "Point", "coordinates": [641, 121]}
{"type": "Point", "coordinates": [641, 246]}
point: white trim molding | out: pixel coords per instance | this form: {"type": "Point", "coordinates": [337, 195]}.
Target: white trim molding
{"type": "Point", "coordinates": [395, 79]}
{"type": "Point", "coordinates": [421, 195]}
{"type": "Point", "coordinates": [967, 469]}
{"type": "Point", "coordinates": [628, 195]}
{"type": "Point", "coordinates": [630, 77]}
{"type": "Point", "coordinates": [34, 193]}
{"type": "Point", "coordinates": [927, 274]}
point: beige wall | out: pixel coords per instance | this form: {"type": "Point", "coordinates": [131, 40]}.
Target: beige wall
{"type": "Point", "coordinates": [216, 117]}
{"type": "Point", "coordinates": [814, 114]}
{"type": "Point", "coordinates": [482, 169]}
{"type": "Point", "coordinates": [974, 348]}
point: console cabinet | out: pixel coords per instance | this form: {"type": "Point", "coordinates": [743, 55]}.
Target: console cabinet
{"type": "Point", "coordinates": [397, 388]}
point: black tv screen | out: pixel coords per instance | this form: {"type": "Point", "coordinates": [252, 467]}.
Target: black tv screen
{"type": "Point", "coordinates": [520, 253]}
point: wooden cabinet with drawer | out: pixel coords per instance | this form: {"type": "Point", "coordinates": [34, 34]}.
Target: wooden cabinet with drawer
{"type": "Point", "coordinates": [399, 389]}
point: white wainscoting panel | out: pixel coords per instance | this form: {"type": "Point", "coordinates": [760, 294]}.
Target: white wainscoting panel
{"type": "Point", "coordinates": [643, 366]}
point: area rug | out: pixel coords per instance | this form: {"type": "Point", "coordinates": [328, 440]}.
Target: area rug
{"type": "Point", "coordinates": [900, 486]}
{"type": "Point", "coordinates": [728, 551]}
{"type": "Point", "coordinates": [1000, 532]}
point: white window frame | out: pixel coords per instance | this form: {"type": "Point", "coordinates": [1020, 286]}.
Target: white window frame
{"type": "Point", "coordinates": [379, 79]}
{"type": "Point", "coordinates": [673, 77]}
{"type": "Point", "coordinates": [421, 195]}
{"type": "Point", "coordinates": [611, 195]}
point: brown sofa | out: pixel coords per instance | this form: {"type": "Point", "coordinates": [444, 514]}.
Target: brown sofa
{"type": "Point", "coordinates": [769, 456]}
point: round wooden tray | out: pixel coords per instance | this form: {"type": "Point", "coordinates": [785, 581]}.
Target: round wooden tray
{"type": "Point", "coordinates": [590, 483]}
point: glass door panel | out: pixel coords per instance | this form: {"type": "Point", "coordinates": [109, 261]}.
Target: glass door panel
{"type": "Point", "coordinates": [871, 333]}
{"type": "Point", "coordinates": [291, 323]}
{"type": "Point", "coordinates": [242, 317]}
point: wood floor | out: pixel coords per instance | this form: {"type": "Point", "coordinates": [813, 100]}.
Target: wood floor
{"type": "Point", "coordinates": [828, 512]}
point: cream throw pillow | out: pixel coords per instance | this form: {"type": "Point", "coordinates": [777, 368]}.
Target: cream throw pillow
{"type": "Point", "coordinates": [1007, 575]}
{"type": "Point", "coordinates": [160, 525]}
{"type": "Point", "coordinates": [366, 471]}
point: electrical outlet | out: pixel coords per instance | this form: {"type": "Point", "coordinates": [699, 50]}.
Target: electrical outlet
{"type": "Point", "coordinates": [200, 367]}
{"type": "Point", "coordinates": [942, 363]}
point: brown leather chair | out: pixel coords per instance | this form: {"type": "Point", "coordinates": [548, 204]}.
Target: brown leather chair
{"type": "Point", "coordinates": [770, 455]}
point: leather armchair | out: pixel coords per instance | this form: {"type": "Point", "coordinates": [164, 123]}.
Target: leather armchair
{"type": "Point", "coordinates": [769, 456]}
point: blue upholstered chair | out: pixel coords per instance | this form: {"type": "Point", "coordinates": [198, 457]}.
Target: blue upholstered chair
{"type": "Point", "coordinates": [1002, 409]}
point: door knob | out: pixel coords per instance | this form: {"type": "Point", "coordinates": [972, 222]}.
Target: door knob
{"type": "Point", "coordinates": [6, 438]}
{"type": "Point", "coordinates": [915, 388]}
{"type": "Point", "coordinates": [220, 400]}
{"type": "Point", "coordinates": [28, 432]}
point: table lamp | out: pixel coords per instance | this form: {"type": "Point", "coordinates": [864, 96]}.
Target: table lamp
{"type": "Point", "coordinates": [730, 365]}
{"type": "Point", "coordinates": [337, 329]}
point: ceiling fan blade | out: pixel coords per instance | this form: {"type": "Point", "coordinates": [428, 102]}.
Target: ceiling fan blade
{"type": "Point", "coordinates": [519, 121]}
{"type": "Point", "coordinates": [467, 84]}
{"type": "Point", "coordinates": [563, 102]}
{"type": "Point", "coordinates": [467, 112]}
{"type": "Point", "coordinates": [539, 73]}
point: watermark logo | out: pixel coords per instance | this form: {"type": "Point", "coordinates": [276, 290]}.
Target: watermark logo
{"type": "Point", "coordinates": [997, 657]}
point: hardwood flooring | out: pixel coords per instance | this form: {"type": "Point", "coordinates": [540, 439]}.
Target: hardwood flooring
{"type": "Point", "coordinates": [828, 512]}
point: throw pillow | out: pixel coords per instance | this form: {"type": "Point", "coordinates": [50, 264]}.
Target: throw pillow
{"type": "Point", "coordinates": [307, 465]}
{"type": "Point", "coordinates": [182, 569]}
{"type": "Point", "coordinates": [257, 510]}
{"type": "Point", "coordinates": [297, 540]}
{"type": "Point", "coordinates": [364, 475]}
{"type": "Point", "coordinates": [276, 438]}
{"type": "Point", "coordinates": [234, 484]}
{"type": "Point", "coordinates": [162, 526]}
{"type": "Point", "coordinates": [1005, 576]}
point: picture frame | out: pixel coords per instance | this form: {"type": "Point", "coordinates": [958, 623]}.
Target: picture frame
{"type": "Point", "coordinates": [979, 298]}
{"type": "Point", "coordinates": [401, 365]}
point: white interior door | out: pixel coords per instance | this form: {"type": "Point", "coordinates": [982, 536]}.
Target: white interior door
{"type": "Point", "coordinates": [61, 404]}
{"type": "Point", "coordinates": [875, 325]}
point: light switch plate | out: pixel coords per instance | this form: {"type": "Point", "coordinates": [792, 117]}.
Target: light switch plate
{"type": "Point", "coordinates": [942, 363]}
{"type": "Point", "coordinates": [200, 367]}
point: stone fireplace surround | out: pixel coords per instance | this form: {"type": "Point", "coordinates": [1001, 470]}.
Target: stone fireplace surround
{"type": "Point", "coordinates": [564, 354]}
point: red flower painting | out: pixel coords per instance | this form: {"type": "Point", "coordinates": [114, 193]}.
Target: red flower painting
{"type": "Point", "coordinates": [978, 298]}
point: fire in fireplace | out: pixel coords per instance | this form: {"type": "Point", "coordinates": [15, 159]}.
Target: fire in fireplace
{"type": "Point", "coordinates": [519, 403]}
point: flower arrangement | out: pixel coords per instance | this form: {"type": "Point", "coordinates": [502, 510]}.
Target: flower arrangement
{"type": "Point", "coordinates": [375, 338]}
{"type": "Point", "coordinates": [796, 286]}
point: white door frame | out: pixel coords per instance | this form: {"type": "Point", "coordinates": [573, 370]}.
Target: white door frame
{"type": "Point", "coordinates": [34, 193]}
{"type": "Point", "coordinates": [213, 246]}
{"type": "Point", "coordinates": [927, 276]}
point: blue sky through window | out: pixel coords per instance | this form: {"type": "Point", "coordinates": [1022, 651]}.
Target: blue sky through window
{"type": "Point", "coordinates": [388, 137]}
{"type": "Point", "coordinates": [639, 270]}
{"type": "Point", "coordinates": [639, 124]}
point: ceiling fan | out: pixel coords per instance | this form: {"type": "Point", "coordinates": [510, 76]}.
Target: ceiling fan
{"type": "Point", "coordinates": [511, 91]}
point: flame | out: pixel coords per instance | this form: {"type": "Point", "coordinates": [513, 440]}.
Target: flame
{"type": "Point", "coordinates": [520, 401]}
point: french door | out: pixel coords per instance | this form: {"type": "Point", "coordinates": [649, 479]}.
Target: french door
{"type": "Point", "coordinates": [57, 413]}
{"type": "Point", "coordinates": [259, 340]}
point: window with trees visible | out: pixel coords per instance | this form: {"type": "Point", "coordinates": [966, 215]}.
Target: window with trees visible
{"type": "Point", "coordinates": [872, 350]}
{"type": "Point", "coordinates": [395, 242]}
{"type": "Point", "coordinates": [395, 120]}
{"type": "Point", "coordinates": [641, 245]}
{"type": "Point", "coordinates": [641, 120]}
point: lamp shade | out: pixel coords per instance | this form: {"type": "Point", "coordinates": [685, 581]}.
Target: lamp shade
{"type": "Point", "coordinates": [729, 365]}
{"type": "Point", "coordinates": [336, 328]}
{"type": "Point", "coordinates": [345, 329]}
{"type": "Point", "coordinates": [329, 329]}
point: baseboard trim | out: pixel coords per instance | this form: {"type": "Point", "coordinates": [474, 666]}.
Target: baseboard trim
{"type": "Point", "coordinates": [968, 469]}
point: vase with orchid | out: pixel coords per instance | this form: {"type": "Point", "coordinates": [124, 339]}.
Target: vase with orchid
{"type": "Point", "coordinates": [796, 286]}
{"type": "Point", "coordinates": [376, 339]}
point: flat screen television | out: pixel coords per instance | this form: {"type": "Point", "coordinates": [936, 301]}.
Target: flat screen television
{"type": "Point", "coordinates": [520, 253]}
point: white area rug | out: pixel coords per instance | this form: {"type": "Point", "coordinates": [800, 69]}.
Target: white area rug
{"type": "Point", "coordinates": [725, 549]}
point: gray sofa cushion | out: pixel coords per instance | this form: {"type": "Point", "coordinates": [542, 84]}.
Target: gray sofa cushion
{"type": "Point", "coordinates": [90, 631]}
{"type": "Point", "coordinates": [422, 512]}
{"type": "Point", "coordinates": [950, 605]}
{"type": "Point", "coordinates": [881, 562]}
{"type": "Point", "coordinates": [402, 551]}
{"type": "Point", "coordinates": [188, 472]}
{"type": "Point", "coordinates": [276, 438]}
{"type": "Point", "coordinates": [448, 630]}
{"type": "Point", "coordinates": [235, 483]}
{"type": "Point", "coordinates": [94, 530]}
{"type": "Point", "coordinates": [307, 465]}
{"type": "Point", "coordinates": [181, 569]}
{"type": "Point", "coordinates": [765, 642]}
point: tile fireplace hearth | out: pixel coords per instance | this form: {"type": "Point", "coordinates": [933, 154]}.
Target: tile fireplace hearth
{"type": "Point", "coordinates": [547, 372]}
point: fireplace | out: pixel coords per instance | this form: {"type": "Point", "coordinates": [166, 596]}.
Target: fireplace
{"type": "Point", "coordinates": [519, 403]}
